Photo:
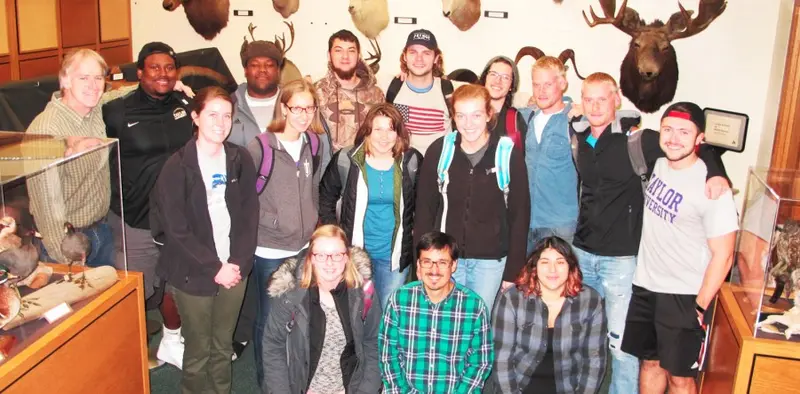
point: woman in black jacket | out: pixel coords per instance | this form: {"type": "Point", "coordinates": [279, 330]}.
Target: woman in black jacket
{"type": "Point", "coordinates": [376, 182]}
{"type": "Point", "coordinates": [203, 205]}
{"type": "Point", "coordinates": [490, 224]}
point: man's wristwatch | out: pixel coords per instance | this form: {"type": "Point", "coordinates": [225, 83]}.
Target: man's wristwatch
{"type": "Point", "coordinates": [699, 309]}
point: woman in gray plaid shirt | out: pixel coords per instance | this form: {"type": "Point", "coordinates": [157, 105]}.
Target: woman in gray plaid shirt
{"type": "Point", "coordinates": [549, 330]}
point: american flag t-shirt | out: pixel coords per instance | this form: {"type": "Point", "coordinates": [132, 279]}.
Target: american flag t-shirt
{"type": "Point", "coordinates": [420, 120]}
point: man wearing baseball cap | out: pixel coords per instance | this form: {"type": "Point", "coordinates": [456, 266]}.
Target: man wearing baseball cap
{"type": "Point", "coordinates": [422, 98]}
{"type": "Point", "coordinates": [685, 254]}
{"type": "Point", "coordinates": [151, 123]}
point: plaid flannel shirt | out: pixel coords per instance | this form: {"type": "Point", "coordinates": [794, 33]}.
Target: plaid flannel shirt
{"type": "Point", "coordinates": [580, 348]}
{"type": "Point", "coordinates": [435, 348]}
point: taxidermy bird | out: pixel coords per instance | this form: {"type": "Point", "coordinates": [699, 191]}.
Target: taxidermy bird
{"type": "Point", "coordinates": [8, 234]}
{"type": "Point", "coordinates": [76, 248]}
{"type": "Point", "coordinates": [19, 263]}
{"type": "Point", "coordinates": [10, 301]}
{"type": "Point", "coordinates": [785, 269]}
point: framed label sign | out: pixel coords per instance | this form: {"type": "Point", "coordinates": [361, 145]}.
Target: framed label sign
{"type": "Point", "coordinates": [726, 129]}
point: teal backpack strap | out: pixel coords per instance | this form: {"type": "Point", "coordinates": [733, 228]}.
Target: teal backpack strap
{"type": "Point", "coordinates": [502, 162]}
{"type": "Point", "coordinates": [445, 159]}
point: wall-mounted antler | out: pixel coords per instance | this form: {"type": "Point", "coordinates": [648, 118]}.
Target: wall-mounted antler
{"type": "Point", "coordinates": [569, 54]}
{"type": "Point", "coordinates": [536, 53]}
{"type": "Point", "coordinates": [649, 71]}
{"type": "Point", "coordinates": [375, 57]}
{"type": "Point", "coordinates": [280, 42]}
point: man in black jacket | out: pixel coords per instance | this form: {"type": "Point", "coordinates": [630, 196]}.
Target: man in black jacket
{"type": "Point", "coordinates": [611, 204]}
{"type": "Point", "coordinates": [151, 124]}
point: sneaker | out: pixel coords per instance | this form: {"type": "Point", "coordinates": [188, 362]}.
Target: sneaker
{"type": "Point", "coordinates": [170, 350]}
{"type": "Point", "coordinates": [238, 349]}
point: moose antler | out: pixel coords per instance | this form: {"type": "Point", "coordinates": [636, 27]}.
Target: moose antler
{"type": "Point", "coordinates": [535, 52]}
{"type": "Point", "coordinates": [609, 7]}
{"type": "Point", "coordinates": [708, 10]}
{"type": "Point", "coordinates": [376, 57]}
{"type": "Point", "coordinates": [280, 42]}
{"type": "Point", "coordinates": [569, 54]}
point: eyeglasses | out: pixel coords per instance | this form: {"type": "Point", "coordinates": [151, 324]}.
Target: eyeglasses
{"type": "Point", "coordinates": [323, 257]}
{"type": "Point", "coordinates": [300, 110]}
{"type": "Point", "coordinates": [503, 77]}
{"type": "Point", "coordinates": [427, 263]}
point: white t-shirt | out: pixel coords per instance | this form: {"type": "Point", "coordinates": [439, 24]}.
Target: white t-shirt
{"type": "Point", "coordinates": [293, 148]}
{"type": "Point", "coordinates": [539, 123]}
{"type": "Point", "coordinates": [262, 109]}
{"type": "Point", "coordinates": [678, 221]}
{"type": "Point", "coordinates": [215, 179]}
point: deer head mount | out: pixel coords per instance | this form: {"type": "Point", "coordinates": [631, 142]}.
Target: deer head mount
{"type": "Point", "coordinates": [370, 17]}
{"type": "Point", "coordinates": [649, 71]}
{"type": "Point", "coordinates": [536, 53]}
{"type": "Point", "coordinates": [463, 13]}
{"type": "Point", "coordinates": [289, 71]}
{"type": "Point", "coordinates": [286, 7]}
{"type": "Point", "coordinates": [207, 17]}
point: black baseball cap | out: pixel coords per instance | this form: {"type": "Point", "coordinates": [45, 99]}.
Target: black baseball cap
{"type": "Point", "coordinates": [689, 111]}
{"type": "Point", "coordinates": [422, 37]}
{"type": "Point", "coordinates": [152, 48]}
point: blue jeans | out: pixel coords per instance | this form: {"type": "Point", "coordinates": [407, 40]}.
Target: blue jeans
{"type": "Point", "coordinates": [262, 271]}
{"type": "Point", "coordinates": [567, 233]}
{"type": "Point", "coordinates": [387, 281]}
{"type": "Point", "coordinates": [102, 242]}
{"type": "Point", "coordinates": [612, 277]}
{"type": "Point", "coordinates": [482, 276]}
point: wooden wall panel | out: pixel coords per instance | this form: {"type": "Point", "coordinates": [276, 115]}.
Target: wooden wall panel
{"type": "Point", "coordinates": [115, 20]}
{"type": "Point", "coordinates": [37, 25]}
{"type": "Point", "coordinates": [117, 55]}
{"type": "Point", "coordinates": [33, 68]}
{"type": "Point", "coordinates": [4, 44]}
{"type": "Point", "coordinates": [79, 23]}
{"type": "Point", "coordinates": [787, 131]}
{"type": "Point", "coordinates": [774, 375]}
{"type": "Point", "coordinates": [5, 72]}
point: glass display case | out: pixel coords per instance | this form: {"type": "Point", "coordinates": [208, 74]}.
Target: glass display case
{"type": "Point", "coordinates": [57, 250]}
{"type": "Point", "coordinates": [765, 279]}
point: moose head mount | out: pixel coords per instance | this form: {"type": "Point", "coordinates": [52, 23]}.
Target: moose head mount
{"type": "Point", "coordinates": [536, 53]}
{"type": "Point", "coordinates": [649, 71]}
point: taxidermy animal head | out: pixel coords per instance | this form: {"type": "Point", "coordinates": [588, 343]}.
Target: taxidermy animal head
{"type": "Point", "coordinates": [649, 72]}
{"type": "Point", "coordinates": [207, 17]}
{"type": "Point", "coordinates": [289, 71]}
{"type": "Point", "coordinates": [463, 13]}
{"type": "Point", "coordinates": [536, 53]}
{"type": "Point", "coordinates": [370, 16]}
{"type": "Point", "coordinates": [286, 7]}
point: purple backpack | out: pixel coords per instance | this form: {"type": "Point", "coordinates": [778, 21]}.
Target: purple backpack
{"type": "Point", "coordinates": [268, 159]}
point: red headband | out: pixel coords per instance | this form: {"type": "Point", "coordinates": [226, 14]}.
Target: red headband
{"type": "Point", "coordinates": [679, 114]}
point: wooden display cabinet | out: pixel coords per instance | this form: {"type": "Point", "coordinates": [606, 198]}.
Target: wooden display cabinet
{"type": "Point", "coordinates": [101, 347]}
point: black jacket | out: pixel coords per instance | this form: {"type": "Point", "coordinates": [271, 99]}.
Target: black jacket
{"type": "Point", "coordinates": [612, 201]}
{"type": "Point", "coordinates": [331, 190]}
{"type": "Point", "coordinates": [477, 216]}
{"type": "Point", "coordinates": [188, 258]}
{"type": "Point", "coordinates": [149, 131]}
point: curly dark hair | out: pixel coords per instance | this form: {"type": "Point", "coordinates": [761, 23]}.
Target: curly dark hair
{"type": "Point", "coordinates": [528, 280]}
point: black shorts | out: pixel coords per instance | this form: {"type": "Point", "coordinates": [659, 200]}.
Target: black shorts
{"type": "Point", "coordinates": [664, 327]}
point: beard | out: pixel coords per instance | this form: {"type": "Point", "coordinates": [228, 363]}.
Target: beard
{"type": "Point", "coordinates": [268, 90]}
{"type": "Point", "coordinates": [343, 74]}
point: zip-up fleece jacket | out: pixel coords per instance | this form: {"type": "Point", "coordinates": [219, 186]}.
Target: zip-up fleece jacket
{"type": "Point", "coordinates": [293, 332]}
{"type": "Point", "coordinates": [355, 196]}
{"type": "Point", "coordinates": [342, 109]}
{"type": "Point", "coordinates": [477, 215]}
{"type": "Point", "coordinates": [612, 200]}
{"type": "Point", "coordinates": [181, 223]}
{"type": "Point", "coordinates": [288, 213]}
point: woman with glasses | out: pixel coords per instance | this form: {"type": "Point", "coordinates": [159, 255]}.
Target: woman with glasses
{"type": "Point", "coordinates": [322, 331]}
{"type": "Point", "coordinates": [202, 213]}
{"type": "Point", "coordinates": [466, 201]}
{"type": "Point", "coordinates": [290, 187]}
{"type": "Point", "coordinates": [549, 329]}
{"type": "Point", "coordinates": [376, 182]}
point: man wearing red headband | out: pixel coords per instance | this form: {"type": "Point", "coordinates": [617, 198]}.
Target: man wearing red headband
{"type": "Point", "coordinates": [684, 256]}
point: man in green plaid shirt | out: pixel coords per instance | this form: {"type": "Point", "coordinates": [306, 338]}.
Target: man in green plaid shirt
{"type": "Point", "coordinates": [435, 336]}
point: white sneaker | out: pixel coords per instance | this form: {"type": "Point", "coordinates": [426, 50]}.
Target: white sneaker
{"type": "Point", "coordinates": [170, 350]}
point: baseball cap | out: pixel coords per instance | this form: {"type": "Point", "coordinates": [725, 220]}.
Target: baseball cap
{"type": "Point", "coordinates": [689, 111]}
{"type": "Point", "coordinates": [422, 37]}
{"type": "Point", "coordinates": [152, 48]}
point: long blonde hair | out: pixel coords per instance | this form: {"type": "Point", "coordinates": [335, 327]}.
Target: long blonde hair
{"type": "Point", "coordinates": [352, 277]}
{"type": "Point", "coordinates": [286, 93]}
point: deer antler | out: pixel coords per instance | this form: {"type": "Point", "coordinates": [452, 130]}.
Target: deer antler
{"type": "Point", "coordinates": [535, 52]}
{"type": "Point", "coordinates": [569, 54]}
{"type": "Point", "coordinates": [708, 10]}
{"type": "Point", "coordinates": [280, 42]}
{"type": "Point", "coordinates": [250, 29]}
{"type": "Point", "coordinates": [609, 6]}
{"type": "Point", "coordinates": [374, 56]}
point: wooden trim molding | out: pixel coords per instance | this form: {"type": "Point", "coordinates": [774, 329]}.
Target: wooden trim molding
{"type": "Point", "coordinates": [785, 152]}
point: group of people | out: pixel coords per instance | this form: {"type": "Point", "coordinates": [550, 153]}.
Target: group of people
{"type": "Point", "coordinates": [298, 216]}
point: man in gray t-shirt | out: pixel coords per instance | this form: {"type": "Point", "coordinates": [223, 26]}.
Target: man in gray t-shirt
{"type": "Point", "coordinates": [685, 253]}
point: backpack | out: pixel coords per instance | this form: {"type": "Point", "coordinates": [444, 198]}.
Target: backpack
{"type": "Point", "coordinates": [268, 159]}
{"type": "Point", "coordinates": [397, 83]}
{"type": "Point", "coordinates": [512, 131]}
{"type": "Point", "coordinates": [502, 163]}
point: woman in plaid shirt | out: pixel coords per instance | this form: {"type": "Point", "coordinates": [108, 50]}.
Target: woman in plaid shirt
{"type": "Point", "coordinates": [549, 330]}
